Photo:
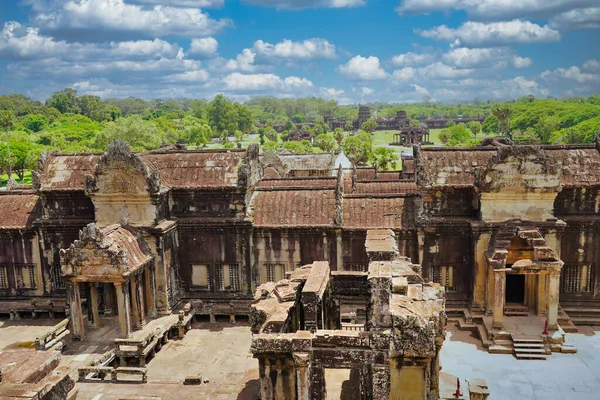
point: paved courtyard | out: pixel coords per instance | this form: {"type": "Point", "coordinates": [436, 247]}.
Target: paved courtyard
{"type": "Point", "coordinates": [561, 376]}
{"type": "Point", "coordinates": [220, 353]}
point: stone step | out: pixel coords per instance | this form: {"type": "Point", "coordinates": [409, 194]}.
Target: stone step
{"type": "Point", "coordinates": [531, 356]}
{"type": "Point", "coordinates": [568, 348]}
{"type": "Point", "coordinates": [527, 339]}
{"type": "Point", "coordinates": [585, 321]}
{"type": "Point", "coordinates": [503, 342]}
{"type": "Point", "coordinates": [499, 349]}
{"type": "Point", "coordinates": [525, 346]}
{"type": "Point", "coordinates": [516, 313]}
{"type": "Point", "coordinates": [530, 351]}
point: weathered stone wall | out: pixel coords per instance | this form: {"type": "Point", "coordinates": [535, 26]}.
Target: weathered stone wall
{"type": "Point", "coordinates": [22, 248]}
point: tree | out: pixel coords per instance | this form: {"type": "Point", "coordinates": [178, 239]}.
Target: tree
{"type": "Point", "coordinates": [383, 158]}
{"type": "Point", "coordinates": [35, 122]}
{"type": "Point", "coordinates": [338, 134]}
{"type": "Point", "coordinates": [52, 114]}
{"type": "Point", "coordinates": [545, 126]}
{"type": "Point", "coordinates": [271, 146]}
{"type": "Point", "coordinates": [245, 119]}
{"type": "Point", "coordinates": [474, 127]}
{"type": "Point", "coordinates": [225, 137]}
{"type": "Point", "coordinates": [572, 135]}
{"type": "Point", "coordinates": [198, 133]}
{"type": "Point", "coordinates": [458, 135]}
{"type": "Point", "coordinates": [369, 125]}
{"type": "Point", "coordinates": [415, 123]}
{"type": "Point", "coordinates": [138, 133]}
{"type": "Point", "coordinates": [222, 114]}
{"type": "Point", "coordinates": [450, 123]}
{"type": "Point", "coordinates": [325, 142]}
{"type": "Point", "coordinates": [502, 112]}
{"type": "Point", "coordinates": [302, 146]}
{"type": "Point", "coordinates": [239, 136]}
{"type": "Point", "coordinates": [7, 120]}
{"type": "Point", "coordinates": [349, 126]}
{"type": "Point", "coordinates": [25, 157]}
{"type": "Point", "coordinates": [64, 101]}
{"type": "Point", "coordinates": [270, 133]}
{"type": "Point", "coordinates": [299, 118]}
{"type": "Point", "coordinates": [358, 148]}
{"type": "Point", "coordinates": [289, 126]}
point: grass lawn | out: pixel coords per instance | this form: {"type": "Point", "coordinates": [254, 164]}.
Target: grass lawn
{"type": "Point", "coordinates": [26, 178]}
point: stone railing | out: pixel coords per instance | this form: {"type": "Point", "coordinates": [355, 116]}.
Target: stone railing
{"type": "Point", "coordinates": [352, 327]}
{"type": "Point", "coordinates": [53, 337]}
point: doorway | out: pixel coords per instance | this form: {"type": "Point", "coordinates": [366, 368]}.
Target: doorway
{"type": "Point", "coordinates": [515, 288]}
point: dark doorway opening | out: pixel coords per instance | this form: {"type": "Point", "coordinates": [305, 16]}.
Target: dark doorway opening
{"type": "Point", "coordinates": [515, 288]}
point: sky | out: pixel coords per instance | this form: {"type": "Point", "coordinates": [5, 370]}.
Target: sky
{"type": "Point", "coordinates": [353, 51]}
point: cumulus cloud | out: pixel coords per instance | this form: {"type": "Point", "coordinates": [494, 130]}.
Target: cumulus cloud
{"type": "Point", "coordinates": [363, 68]}
{"type": "Point", "coordinates": [264, 82]}
{"type": "Point", "coordinates": [478, 34]}
{"type": "Point", "coordinates": [243, 62]}
{"type": "Point", "coordinates": [585, 18]}
{"type": "Point", "coordinates": [303, 4]}
{"type": "Point", "coordinates": [495, 9]}
{"type": "Point", "coordinates": [463, 57]}
{"type": "Point", "coordinates": [98, 20]}
{"type": "Point", "coordinates": [435, 71]}
{"type": "Point", "coordinates": [199, 75]}
{"type": "Point", "coordinates": [303, 50]}
{"type": "Point", "coordinates": [20, 43]}
{"type": "Point", "coordinates": [410, 59]}
{"type": "Point", "coordinates": [331, 92]}
{"type": "Point", "coordinates": [203, 48]}
{"type": "Point", "coordinates": [592, 65]}
{"type": "Point", "coordinates": [182, 3]}
{"type": "Point", "coordinates": [572, 74]}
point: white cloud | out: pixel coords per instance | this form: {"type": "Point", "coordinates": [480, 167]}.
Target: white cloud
{"type": "Point", "coordinates": [262, 82]}
{"type": "Point", "coordinates": [522, 62]}
{"type": "Point", "coordinates": [203, 48]}
{"type": "Point", "coordinates": [440, 70]}
{"type": "Point", "coordinates": [303, 4]}
{"type": "Point", "coordinates": [199, 75]}
{"type": "Point", "coordinates": [243, 62]}
{"type": "Point", "coordinates": [477, 34]}
{"type": "Point", "coordinates": [363, 68]}
{"type": "Point", "coordinates": [463, 57]}
{"type": "Point", "coordinates": [403, 75]}
{"type": "Point", "coordinates": [573, 74]}
{"type": "Point", "coordinates": [182, 3]}
{"type": "Point", "coordinates": [585, 18]}
{"type": "Point", "coordinates": [411, 59]}
{"type": "Point", "coordinates": [495, 9]}
{"type": "Point", "coordinates": [20, 43]}
{"type": "Point", "coordinates": [95, 20]}
{"type": "Point", "coordinates": [304, 50]}
{"type": "Point", "coordinates": [331, 92]}
{"type": "Point", "coordinates": [366, 91]}
{"type": "Point", "coordinates": [592, 65]}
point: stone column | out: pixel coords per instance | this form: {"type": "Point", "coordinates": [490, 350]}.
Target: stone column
{"type": "Point", "coordinates": [135, 304]}
{"type": "Point", "coordinates": [380, 378]}
{"type": "Point", "coordinates": [339, 250]}
{"type": "Point", "coordinates": [434, 376]}
{"type": "Point", "coordinates": [499, 296]}
{"type": "Point", "coordinates": [318, 391]}
{"type": "Point", "coordinates": [94, 304]}
{"type": "Point", "coordinates": [122, 290]}
{"type": "Point", "coordinates": [151, 290]}
{"type": "Point", "coordinates": [302, 361]}
{"type": "Point", "coordinates": [552, 291]}
{"type": "Point", "coordinates": [481, 267]}
{"type": "Point", "coordinates": [74, 297]}
{"type": "Point", "coordinates": [266, 385]}
{"type": "Point", "coordinates": [140, 299]}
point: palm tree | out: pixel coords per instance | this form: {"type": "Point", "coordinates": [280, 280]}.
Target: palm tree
{"type": "Point", "coordinates": [502, 112]}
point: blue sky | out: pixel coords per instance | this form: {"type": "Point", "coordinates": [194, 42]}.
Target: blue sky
{"type": "Point", "coordinates": [348, 50]}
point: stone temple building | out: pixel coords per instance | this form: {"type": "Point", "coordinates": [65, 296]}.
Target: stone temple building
{"type": "Point", "coordinates": [139, 234]}
{"type": "Point", "coordinates": [394, 354]}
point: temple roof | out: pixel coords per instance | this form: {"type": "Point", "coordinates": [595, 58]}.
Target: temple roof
{"type": "Point", "coordinates": [577, 165]}
{"type": "Point", "coordinates": [294, 208]}
{"type": "Point", "coordinates": [361, 212]}
{"type": "Point", "coordinates": [177, 169]}
{"type": "Point", "coordinates": [105, 254]}
{"type": "Point", "coordinates": [16, 210]}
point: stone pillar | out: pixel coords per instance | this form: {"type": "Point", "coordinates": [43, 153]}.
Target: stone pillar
{"type": "Point", "coordinates": [150, 291]}
{"type": "Point", "coordinates": [266, 385]}
{"type": "Point", "coordinates": [94, 304]}
{"type": "Point", "coordinates": [480, 272]}
{"type": "Point", "coordinates": [434, 376]}
{"type": "Point", "coordinates": [140, 299]}
{"type": "Point", "coordinates": [552, 290]}
{"type": "Point", "coordinates": [109, 300]}
{"type": "Point", "coordinates": [318, 391]}
{"type": "Point", "coordinates": [302, 361]}
{"type": "Point", "coordinates": [339, 250]}
{"type": "Point", "coordinates": [499, 296]}
{"type": "Point", "coordinates": [74, 297]}
{"type": "Point", "coordinates": [122, 290]}
{"type": "Point", "coordinates": [380, 378]}
{"type": "Point", "coordinates": [135, 303]}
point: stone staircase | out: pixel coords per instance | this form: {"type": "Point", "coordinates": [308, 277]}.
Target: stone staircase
{"type": "Point", "coordinates": [582, 312]}
{"type": "Point", "coordinates": [529, 347]}
{"type": "Point", "coordinates": [565, 322]}
{"type": "Point", "coordinates": [516, 310]}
